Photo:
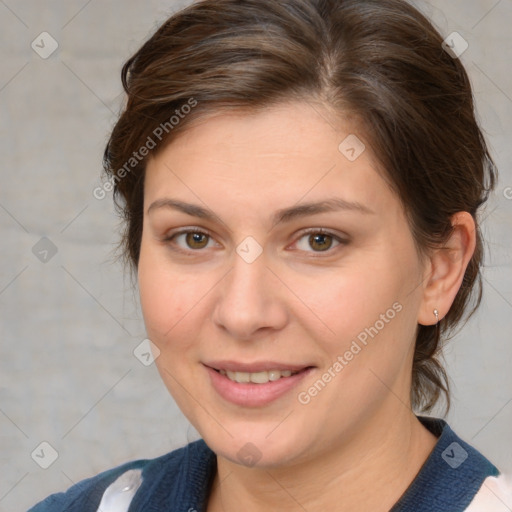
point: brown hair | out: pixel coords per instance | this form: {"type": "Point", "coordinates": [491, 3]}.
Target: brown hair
{"type": "Point", "coordinates": [380, 61]}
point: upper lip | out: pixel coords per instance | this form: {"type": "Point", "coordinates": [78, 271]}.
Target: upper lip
{"type": "Point", "coordinates": [260, 366]}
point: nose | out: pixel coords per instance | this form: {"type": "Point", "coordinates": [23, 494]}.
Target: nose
{"type": "Point", "coordinates": [250, 299]}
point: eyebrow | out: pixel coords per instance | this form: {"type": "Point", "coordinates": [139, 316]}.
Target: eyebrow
{"type": "Point", "coordinates": [280, 216]}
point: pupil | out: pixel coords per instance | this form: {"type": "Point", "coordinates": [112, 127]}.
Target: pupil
{"type": "Point", "coordinates": [321, 237]}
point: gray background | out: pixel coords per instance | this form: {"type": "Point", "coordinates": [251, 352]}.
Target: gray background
{"type": "Point", "coordinates": [68, 375]}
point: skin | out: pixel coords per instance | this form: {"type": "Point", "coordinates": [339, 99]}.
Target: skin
{"type": "Point", "coordinates": [295, 304]}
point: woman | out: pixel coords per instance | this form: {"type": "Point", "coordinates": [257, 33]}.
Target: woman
{"type": "Point", "coordinates": [300, 182]}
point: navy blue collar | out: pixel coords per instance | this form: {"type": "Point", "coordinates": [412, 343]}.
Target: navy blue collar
{"type": "Point", "coordinates": [449, 478]}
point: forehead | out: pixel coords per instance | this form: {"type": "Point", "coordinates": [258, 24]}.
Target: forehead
{"type": "Point", "coordinates": [282, 155]}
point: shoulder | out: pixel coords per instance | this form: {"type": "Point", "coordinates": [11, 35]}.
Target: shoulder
{"type": "Point", "coordinates": [124, 481]}
{"type": "Point", "coordinates": [454, 477]}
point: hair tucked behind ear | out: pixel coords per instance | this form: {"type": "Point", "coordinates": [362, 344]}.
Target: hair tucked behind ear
{"type": "Point", "coordinates": [379, 61]}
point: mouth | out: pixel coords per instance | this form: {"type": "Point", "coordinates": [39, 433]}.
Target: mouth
{"type": "Point", "coordinates": [255, 385]}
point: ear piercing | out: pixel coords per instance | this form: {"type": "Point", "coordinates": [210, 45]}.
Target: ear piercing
{"type": "Point", "coordinates": [436, 312]}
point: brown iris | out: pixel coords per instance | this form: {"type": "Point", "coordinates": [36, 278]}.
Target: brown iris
{"type": "Point", "coordinates": [193, 237]}
{"type": "Point", "coordinates": [320, 237]}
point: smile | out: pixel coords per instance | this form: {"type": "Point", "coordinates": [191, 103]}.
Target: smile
{"type": "Point", "coordinates": [257, 377]}
{"type": "Point", "coordinates": [257, 388]}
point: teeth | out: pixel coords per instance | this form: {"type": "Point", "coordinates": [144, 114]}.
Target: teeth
{"type": "Point", "coordinates": [240, 377]}
{"type": "Point", "coordinates": [257, 377]}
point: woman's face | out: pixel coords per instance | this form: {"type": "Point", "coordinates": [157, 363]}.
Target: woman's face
{"type": "Point", "coordinates": [254, 292]}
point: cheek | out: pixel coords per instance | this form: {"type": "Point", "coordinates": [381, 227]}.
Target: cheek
{"type": "Point", "coordinates": [167, 301]}
{"type": "Point", "coordinates": [165, 296]}
{"type": "Point", "coordinates": [352, 299]}
{"type": "Point", "coordinates": [370, 315]}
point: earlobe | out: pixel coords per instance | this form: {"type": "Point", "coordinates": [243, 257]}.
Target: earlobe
{"type": "Point", "coordinates": [446, 270]}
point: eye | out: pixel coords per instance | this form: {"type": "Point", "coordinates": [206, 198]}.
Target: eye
{"type": "Point", "coordinates": [194, 238]}
{"type": "Point", "coordinates": [319, 239]}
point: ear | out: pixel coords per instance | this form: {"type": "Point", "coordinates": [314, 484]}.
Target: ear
{"type": "Point", "coordinates": [445, 269]}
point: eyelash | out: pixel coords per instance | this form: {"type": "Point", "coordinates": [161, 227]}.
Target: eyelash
{"type": "Point", "coordinates": [316, 231]}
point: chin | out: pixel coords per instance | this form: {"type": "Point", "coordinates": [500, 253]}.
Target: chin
{"type": "Point", "coordinates": [258, 448]}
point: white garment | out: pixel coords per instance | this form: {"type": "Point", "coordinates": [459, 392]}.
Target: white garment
{"type": "Point", "coordinates": [495, 495]}
{"type": "Point", "coordinates": [118, 495]}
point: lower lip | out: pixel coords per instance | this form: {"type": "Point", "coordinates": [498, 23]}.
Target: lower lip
{"type": "Point", "coordinates": [250, 394]}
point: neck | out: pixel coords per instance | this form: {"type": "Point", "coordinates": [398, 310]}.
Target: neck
{"type": "Point", "coordinates": [369, 470]}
